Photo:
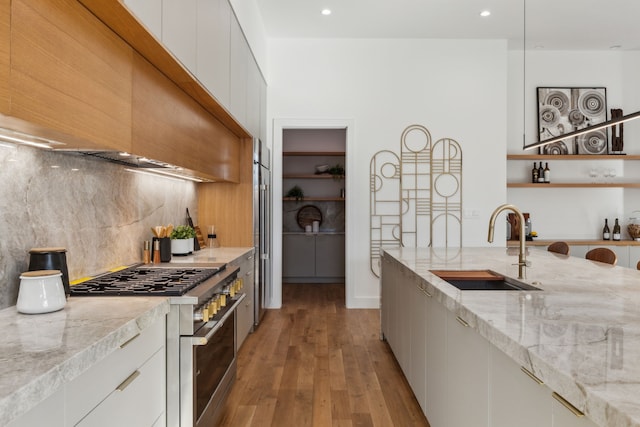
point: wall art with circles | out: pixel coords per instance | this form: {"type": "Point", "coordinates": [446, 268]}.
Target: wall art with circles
{"type": "Point", "coordinates": [564, 110]}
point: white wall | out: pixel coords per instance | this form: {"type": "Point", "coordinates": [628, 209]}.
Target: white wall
{"type": "Point", "coordinates": [457, 89]}
{"type": "Point", "coordinates": [573, 213]}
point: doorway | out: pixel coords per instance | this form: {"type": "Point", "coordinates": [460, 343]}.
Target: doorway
{"type": "Point", "coordinates": [310, 184]}
{"type": "Point", "coordinates": [313, 211]}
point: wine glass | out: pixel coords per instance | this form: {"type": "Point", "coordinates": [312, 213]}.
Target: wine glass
{"type": "Point", "coordinates": [593, 173]}
{"type": "Point", "coordinates": [612, 174]}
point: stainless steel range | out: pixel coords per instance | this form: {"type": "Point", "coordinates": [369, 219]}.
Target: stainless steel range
{"type": "Point", "coordinates": [201, 357]}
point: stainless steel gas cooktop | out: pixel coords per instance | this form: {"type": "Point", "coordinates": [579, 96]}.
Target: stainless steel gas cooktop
{"type": "Point", "coordinates": [146, 280]}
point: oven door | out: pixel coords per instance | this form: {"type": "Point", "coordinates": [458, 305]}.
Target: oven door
{"type": "Point", "coordinates": [207, 369]}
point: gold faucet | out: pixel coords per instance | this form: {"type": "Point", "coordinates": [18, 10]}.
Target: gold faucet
{"type": "Point", "coordinates": [522, 257]}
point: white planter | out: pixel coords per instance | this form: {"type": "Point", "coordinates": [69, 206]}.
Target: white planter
{"type": "Point", "coordinates": [181, 246]}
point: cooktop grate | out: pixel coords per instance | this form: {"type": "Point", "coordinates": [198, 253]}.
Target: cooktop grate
{"type": "Point", "coordinates": [141, 280]}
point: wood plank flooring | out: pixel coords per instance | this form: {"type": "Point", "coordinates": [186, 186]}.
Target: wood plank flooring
{"type": "Point", "coordinates": [315, 363]}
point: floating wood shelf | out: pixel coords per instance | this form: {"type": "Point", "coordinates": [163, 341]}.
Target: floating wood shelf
{"type": "Point", "coordinates": [313, 153]}
{"type": "Point", "coordinates": [574, 185]}
{"type": "Point", "coordinates": [314, 199]}
{"type": "Point", "coordinates": [309, 176]}
{"type": "Point", "coordinates": [573, 157]}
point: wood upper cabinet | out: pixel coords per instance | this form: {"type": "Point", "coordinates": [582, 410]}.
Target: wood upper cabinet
{"type": "Point", "coordinates": [70, 73]}
{"type": "Point", "coordinates": [5, 58]}
{"type": "Point", "coordinates": [170, 126]}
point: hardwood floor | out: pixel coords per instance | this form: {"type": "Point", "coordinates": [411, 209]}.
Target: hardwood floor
{"type": "Point", "coordinates": [315, 363]}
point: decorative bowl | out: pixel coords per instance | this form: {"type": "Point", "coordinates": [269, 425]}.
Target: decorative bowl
{"type": "Point", "coordinates": [322, 168]}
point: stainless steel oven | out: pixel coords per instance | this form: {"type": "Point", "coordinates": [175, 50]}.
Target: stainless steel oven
{"type": "Point", "coordinates": [208, 359]}
{"type": "Point", "coordinates": [201, 331]}
{"type": "Point", "coordinates": [201, 359]}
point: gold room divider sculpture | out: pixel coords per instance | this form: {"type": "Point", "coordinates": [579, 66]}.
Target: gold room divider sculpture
{"type": "Point", "coordinates": [415, 199]}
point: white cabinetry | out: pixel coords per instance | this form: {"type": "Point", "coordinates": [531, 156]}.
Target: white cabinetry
{"type": "Point", "coordinates": [245, 311]}
{"type": "Point", "coordinates": [516, 398]}
{"type": "Point", "coordinates": [131, 378]}
{"type": "Point", "coordinates": [148, 12]}
{"type": "Point", "coordinates": [50, 410]}
{"type": "Point", "coordinates": [179, 30]}
{"type": "Point", "coordinates": [467, 375]}
{"type": "Point", "coordinates": [214, 47]}
{"type": "Point", "coordinates": [313, 257]}
{"type": "Point", "coordinates": [206, 37]}
{"type": "Point", "coordinates": [626, 254]}
{"type": "Point", "coordinates": [126, 388]}
{"type": "Point", "coordinates": [239, 63]}
{"type": "Point", "coordinates": [459, 378]}
{"type": "Point", "coordinates": [634, 256]}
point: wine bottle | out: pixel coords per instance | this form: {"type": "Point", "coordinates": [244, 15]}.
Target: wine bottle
{"type": "Point", "coordinates": [540, 173]}
{"type": "Point", "coordinates": [534, 173]}
{"type": "Point", "coordinates": [547, 173]}
{"type": "Point", "coordinates": [616, 230]}
{"type": "Point", "coordinates": [606, 234]}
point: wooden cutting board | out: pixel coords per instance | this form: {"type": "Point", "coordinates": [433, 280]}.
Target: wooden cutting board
{"type": "Point", "coordinates": [199, 236]}
{"type": "Point", "coordinates": [467, 274]}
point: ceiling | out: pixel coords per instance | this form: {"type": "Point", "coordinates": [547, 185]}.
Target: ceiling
{"type": "Point", "coordinates": [550, 24]}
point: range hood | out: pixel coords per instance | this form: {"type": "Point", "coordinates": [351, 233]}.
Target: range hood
{"type": "Point", "coordinates": [16, 131]}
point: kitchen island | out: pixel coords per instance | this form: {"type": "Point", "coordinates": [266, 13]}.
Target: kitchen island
{"type": "Point", "coordinates": [579, 335]}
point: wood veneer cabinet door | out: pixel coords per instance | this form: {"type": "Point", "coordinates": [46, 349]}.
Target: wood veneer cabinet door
{"type": "Point", "coordinates": [5, 59]}
{"type": "Point", "coordinates": [170, 126]}
{"type": "Point", "coordinates": [70, 73]}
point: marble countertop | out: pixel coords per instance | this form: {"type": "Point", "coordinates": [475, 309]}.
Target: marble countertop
{"type": "Point", "coordinates": [207, 255]}
{"type": "Point", "coordinates": [41, 352]}
{"type": "Point", "coordinates": [580, 334]}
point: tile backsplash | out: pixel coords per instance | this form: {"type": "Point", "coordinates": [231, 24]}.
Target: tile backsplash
{"type": "Point", "coordinates": [99, 211]}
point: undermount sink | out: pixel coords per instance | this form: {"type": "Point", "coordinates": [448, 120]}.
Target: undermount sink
{"type": "Point", "coordinates": [482, 280]}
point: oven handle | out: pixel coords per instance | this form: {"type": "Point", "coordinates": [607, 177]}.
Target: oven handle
{"type": "Point", "coordinates": [204, 340]}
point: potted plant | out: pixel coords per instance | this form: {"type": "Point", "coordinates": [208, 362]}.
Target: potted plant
{"type": "Point", "coordinates": [182, 240]}
{"type": "Point", "coordinates": [337, 172]}
{"type": "Point", "coordinates": [295, 192]}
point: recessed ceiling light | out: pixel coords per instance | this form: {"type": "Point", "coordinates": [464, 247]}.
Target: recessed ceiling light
{"type": "Point", "coordinates": [326, 12]}
{"type": "Point", "coordinates": [485, 13]}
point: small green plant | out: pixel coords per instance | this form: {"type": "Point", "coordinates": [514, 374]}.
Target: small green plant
{"type": "Point", "coordinates": [183, 232]}
{"type": "Point", "coordinates": [295, 192]}
{"type": "Point", "coordinates": [337, 171]}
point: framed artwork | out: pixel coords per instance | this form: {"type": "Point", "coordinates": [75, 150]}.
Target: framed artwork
{"type": "Point", "coordinates": [564, 110]}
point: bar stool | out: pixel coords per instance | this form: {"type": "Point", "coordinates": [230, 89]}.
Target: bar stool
{"type": "Point", "coordinates": [605, 255]}
{"type": "Point", "coordinates": [559, 248]}
{"type": "Point", "coordinates": [638, 266]}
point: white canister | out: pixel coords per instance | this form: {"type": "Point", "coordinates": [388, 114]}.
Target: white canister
{"type": "Point", "coordinates": [316, 226]}
{"type": "Point", "coordinates": [41, 291]}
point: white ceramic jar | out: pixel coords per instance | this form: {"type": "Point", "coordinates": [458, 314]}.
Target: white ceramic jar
{"type": "Point", "coordinates": [41, 291]}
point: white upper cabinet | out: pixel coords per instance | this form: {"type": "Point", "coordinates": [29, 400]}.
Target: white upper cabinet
{"type": "Point", "coordinates": [214, 47]}
{"type": "Point", "coordinates": [179, 30]}
{"type": "Point", "coordinates": [149, 12]}
{"type": "Point", "coordinates": [253, 96]}
{"type": "Point", "coordinates": [205, 36]}
{"type": "Point", "coordinates": [239, 70]}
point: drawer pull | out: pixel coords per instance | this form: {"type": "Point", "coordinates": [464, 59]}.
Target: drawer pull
{"type": "Point", "coordinates": [426, 292]}
{"type": "Point", "coordinates": [124, 384]}
{"type": "Point", "coordinates": [575, 411]}
{"type": "Point", "coordinates": [531, 375]}
{"type": "Point", "coordinates": [127, 342]}
{"type": "Point", "coordinates": [462, 321]}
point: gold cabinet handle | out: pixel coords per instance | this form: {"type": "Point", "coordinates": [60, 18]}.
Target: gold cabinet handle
{"type": "Point", "coordinates": [575, 411]}
{"type": "Point", "coordinates": [462, 321]}
{"type": "Point", "coordinates": [127, 342]}
{"type": "Point", "coordinates": [426, 292]}
{"type": "Point", "coordinates": [124, 384]}
{"type": "Point", "coordinates": [531, 375]}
